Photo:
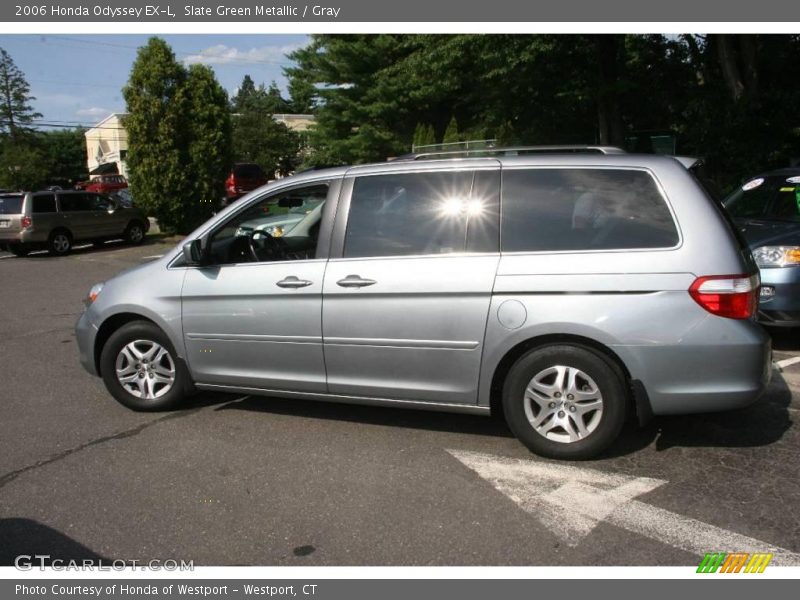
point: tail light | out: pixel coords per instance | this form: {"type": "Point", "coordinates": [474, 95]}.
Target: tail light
{"type": "Point", "coordinates": [26, 222]}
{"type": "Point", "coordinates": [731, 296]}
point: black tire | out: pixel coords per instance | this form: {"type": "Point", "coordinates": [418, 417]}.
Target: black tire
{"type": "Point", "coordinates": [134, 233]}
{"type": "Point", "coordinates": [598, 435]}
{"type": "Point", "coordinates": [60, 242]}
{"type": "Point", "coordinates": [148, 333]}
{"type": "Point", "coordinates": [19, 250]}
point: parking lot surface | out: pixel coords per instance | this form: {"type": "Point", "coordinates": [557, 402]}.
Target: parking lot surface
{"type": "Point", "coordinates": [237, 480]}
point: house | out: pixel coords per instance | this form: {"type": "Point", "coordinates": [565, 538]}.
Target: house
{"type": "Point", "coordinates": [107, 146]}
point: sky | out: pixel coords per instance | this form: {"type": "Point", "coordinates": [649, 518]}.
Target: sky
{"type": "Point", "coordinates": [78, 79]}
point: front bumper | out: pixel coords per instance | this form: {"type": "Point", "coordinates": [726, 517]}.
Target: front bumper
{"type": "Point", "coordinates": [85, 334]}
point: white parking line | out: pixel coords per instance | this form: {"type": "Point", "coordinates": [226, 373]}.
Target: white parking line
{"type": "Point", "coordinates": [787, 362]}
{"type": "Point", "coordinates": [572, 501]}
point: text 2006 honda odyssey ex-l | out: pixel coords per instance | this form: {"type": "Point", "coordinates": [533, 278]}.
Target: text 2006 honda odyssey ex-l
{"type": "Point", "coordinates": [566, 290]}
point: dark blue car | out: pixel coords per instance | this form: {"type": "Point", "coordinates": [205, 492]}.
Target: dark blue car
{"type": "Point", "coordinates": [766, 210]}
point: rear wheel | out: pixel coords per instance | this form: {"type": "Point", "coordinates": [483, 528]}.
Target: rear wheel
{"type": "Point", "coordinates": [18, 249]}
{"type": "Point", "coordinates": [60, 242]}
{"type": "Point", "coordinates": [134, 234]}
{"type": "Point", "coordinates": [141, 370]}
{"type": "Point", "coordinates": [565, 401]}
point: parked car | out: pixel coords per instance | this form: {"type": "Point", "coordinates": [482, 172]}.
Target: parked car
{"type": "Point", "coordinates": [766, 210]}
{"type": "Point", "coordinates": [591, 296]}
{"type": "Point", "coordinates": [104, 184]}
{"type": "Point", "coordinates": [243, 178]}
{"type": "Point", "coordinates": [56, 220]}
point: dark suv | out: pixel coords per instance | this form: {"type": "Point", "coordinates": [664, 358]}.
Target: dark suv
{"type": "Point", "coordinates": [56, 220]}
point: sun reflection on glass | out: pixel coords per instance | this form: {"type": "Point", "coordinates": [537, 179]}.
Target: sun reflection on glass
{"type": "Point", "coordinates": [455, 206]}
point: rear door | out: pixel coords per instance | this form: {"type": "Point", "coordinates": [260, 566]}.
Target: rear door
{"type": "Point", "coordinates": [409, 283]}
{"type": "Point", "coordinates": [80, 214]}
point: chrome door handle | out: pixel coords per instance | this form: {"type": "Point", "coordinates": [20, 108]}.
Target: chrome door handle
{"type": "Point", "coordinates": [355, 281]}
{"type": "Point", "coordinates": [293, 282]}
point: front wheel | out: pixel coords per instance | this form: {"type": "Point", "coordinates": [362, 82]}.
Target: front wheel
{"type": "Point", "coordinates": [565, 402]}
{"type": "Point", "coordinates": [141, 370]}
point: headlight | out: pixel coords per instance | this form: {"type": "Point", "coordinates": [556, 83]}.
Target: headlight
{"type": "Point", "coordinates": [777, 256]}
{"type": "Point", "coordinates": [93, 293]}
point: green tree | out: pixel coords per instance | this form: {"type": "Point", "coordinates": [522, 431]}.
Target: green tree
{"type": "Point", "coordinates": [257, 137]}
{"type": "Point", "coordinates": [451, 133]}
{"type": "Point", "coordinates": [209, 138]}
{"type": "Point", "coordinates": [424, 135]}
{"type": "Point", "coordinates": [178, 137]}
{"type": "Point", "coordinates": [64, 156]}
{"type": "Point", "coordinates": [16, 112]}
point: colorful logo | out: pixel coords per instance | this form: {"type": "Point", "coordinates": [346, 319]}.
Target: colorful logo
{"type": "Point", "coordinates": [734, 562]}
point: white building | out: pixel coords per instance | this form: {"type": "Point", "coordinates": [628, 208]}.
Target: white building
{"type": "Point", "coordinates": [107, 146]}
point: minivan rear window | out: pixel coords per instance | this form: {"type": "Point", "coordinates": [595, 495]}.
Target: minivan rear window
{"type": "Point", "coordinates": [10, 205]}
{"type": "Point", "coordinates": [583, 209]}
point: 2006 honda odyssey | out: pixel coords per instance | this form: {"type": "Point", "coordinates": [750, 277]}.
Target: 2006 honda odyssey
{"type": "Point", "coordinates": [567, 290]}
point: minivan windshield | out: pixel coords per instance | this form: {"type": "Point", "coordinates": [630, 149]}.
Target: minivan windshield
{"type": "Point", "coordinates": [775, 198]}
{"type": "Point", "coordinates": [10, 204]}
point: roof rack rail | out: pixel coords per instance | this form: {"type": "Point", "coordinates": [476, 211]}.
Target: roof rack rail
{"type": "Point", "coordinates": [512, 151]}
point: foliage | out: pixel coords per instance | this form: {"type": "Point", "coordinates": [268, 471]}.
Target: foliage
{"type": "Point", "coordinates": [451, 133]}
{"type": "Point", "coordinates": [178, 137]}
{"type": "Point", "coordinates": [728, 98]}
{"type": "Point", "coordinates": [424, 135]}
{"type": "Point", "coordinates": [257, 136]}
{"type": "Point", "coordinates": [16, 113]}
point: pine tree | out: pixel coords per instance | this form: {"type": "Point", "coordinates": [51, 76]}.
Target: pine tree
{"type": "Point", "coordinates": [451, 133]}
{"type": "Point", "coordinates": [16, 113]}
{"type": "Point", "coordinates": [257, 136]}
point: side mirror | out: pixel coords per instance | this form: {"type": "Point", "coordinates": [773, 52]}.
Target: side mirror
{"type": "Point", "coordinates": [193, 253]}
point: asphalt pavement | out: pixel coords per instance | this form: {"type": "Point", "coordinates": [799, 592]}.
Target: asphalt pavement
{"type": "Point", "coordinates": [237, 480]}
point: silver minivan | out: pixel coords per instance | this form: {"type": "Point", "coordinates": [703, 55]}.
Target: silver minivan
{"type": "Point", "coordinates": [569, 291]}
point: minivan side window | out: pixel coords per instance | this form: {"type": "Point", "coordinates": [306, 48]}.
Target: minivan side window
{"type": "Point", "coordinates": [404, 214]}
{"type": "Point", "coordinates": [583, 209]}
{"type": "Point", "coordinates": [44, 203]}
{"type": "Point", "coordinates": [76, 202]}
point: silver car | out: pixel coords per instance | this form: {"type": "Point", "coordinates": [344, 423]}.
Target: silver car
{"type": "Point", "coordinates": [569, 291]}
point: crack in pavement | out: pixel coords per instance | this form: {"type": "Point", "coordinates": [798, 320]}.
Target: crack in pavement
{"type": "Point", "coordinates": [11, 476]}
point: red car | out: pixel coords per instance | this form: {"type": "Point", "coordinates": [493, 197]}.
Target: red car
{"type": "Point", "coordinates": [244, 177]}
{"type": "Point", "coordinates": [105, 184]}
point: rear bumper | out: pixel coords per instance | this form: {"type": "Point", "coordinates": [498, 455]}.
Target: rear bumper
{"type": "Point", "coordinates": [722, 366]}
{"type": "Point", "coordinates": [22, 237]}
{"type": "Point", "coordinates": [85, 333]}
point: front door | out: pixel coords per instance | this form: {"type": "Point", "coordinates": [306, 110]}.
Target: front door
{"type": "Point", "coordinates": [406, 302]}
{"type": "Point", "coordinates": [252, 318]}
